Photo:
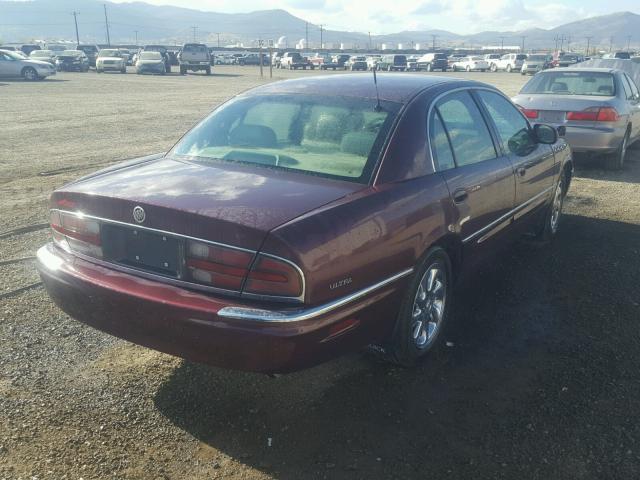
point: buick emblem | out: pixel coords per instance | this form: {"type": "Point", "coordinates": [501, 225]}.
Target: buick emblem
{"type": "Point", "coordinates": [138, 214]}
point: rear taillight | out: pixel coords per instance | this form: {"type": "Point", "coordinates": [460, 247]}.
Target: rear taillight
{"type": "Point", "coordinates": [595, 114]}
{"type": "Point", "coordinates": [76, 233]}
{"type": "Point", "coordinates": [531, 114]}
{"type": "Point", "coordinates": [271, 276]}
{"type": "Point", "coordinates": [217, 266]}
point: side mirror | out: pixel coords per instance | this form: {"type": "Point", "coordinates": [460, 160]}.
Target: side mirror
{"type": "Point", "coordinates": [545, 134]}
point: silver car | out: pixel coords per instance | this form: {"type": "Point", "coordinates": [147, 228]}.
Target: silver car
{"type": "Point", "coordinates": [14, 65]}
{"type": "Point", "coordinates": [599, 107]}
{"type": "Point", "coordinates": [150, 62]}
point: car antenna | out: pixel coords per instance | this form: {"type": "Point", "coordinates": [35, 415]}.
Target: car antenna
{"type": "Point", "coordinates": [378, 107]}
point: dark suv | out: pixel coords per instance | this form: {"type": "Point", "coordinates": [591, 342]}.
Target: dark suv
{"type": "Point", "coordinates": [91, 51]}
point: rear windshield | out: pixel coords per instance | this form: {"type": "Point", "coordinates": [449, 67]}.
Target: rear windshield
{"type": "Point", "coordinates": [71, 53]}
{"type": "Point", "coordinates": [521, 57]}
{"type": "Point", "coordinates": [599, 84]}
{"type": "Point", "coordinates": [195, 49]}
{"type": "Point", "coordinates": [88, 48]}
{"type": "Point", "coordinates": [398, 59]}
{"type": "Point", "coordinates": [150, 56]}
{"type": "Point", "coordinates": [41, 53]}
{"type": "Point", "coordinates": [623, 55]}
{"type": "Point", "coordinates": [440, 56]}
{"type": "Point", "coordinates": [108, 53]}
{"type": "Point", "coordinates": [537, 58]}
{"type": "Point", "coordinates": [327, 136]}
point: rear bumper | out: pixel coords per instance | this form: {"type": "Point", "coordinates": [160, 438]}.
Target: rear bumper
{"type": "Point", "coordinates": [598, 139]}
{"type": "Point", "coordinates": [215, 330]}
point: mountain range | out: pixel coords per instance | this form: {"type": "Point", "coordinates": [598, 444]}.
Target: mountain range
{"type": "Point", "coordinates": [24, 21]}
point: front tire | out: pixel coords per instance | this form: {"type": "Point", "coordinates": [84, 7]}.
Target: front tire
{"type": "Point", "coordinates": [549, 228]}
{"type": "Point", "coordinates": [424, 310]}
{"type": "Point", "coordinates": [468, 68]}
{"type": "Point", "coordinates": [30, 74]}
{"type": "Point", "coordinates": [509, 68]}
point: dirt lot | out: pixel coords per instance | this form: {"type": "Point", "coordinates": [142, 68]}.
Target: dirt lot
{"type": "Point", "coordinates": [542, 379]}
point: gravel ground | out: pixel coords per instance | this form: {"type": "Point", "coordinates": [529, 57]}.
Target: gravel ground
{"type": "Point", "coordinates": [541, 378]}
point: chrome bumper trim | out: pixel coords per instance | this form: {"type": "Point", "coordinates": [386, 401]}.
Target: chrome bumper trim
{"type": "Point", "coordinates": [283, 316]}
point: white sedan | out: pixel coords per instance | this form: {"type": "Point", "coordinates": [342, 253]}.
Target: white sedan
{"type": "Point", "coordinates": [471, 64]}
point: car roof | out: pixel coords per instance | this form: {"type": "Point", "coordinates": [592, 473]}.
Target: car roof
{"type": "Point", "coordinates": [391, 87]}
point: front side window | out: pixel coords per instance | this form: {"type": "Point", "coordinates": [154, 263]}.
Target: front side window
{"type": "Point", "coordinates": [467, 129]}
{"type": "Point", "coordinates": [634, 87]}
{"type": "Point", "coordinates": [325, 136]}
{"type": "Point", "coordinates": [513, 129]}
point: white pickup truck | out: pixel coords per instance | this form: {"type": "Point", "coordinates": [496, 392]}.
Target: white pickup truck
{"type": "Point", "coordinates": [510, 62]}
{"type": "Point", "coordinates": [293, 61]}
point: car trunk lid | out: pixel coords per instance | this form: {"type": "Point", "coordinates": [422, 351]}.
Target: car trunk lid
{"type": "Point", "coordinates": [230, 204]}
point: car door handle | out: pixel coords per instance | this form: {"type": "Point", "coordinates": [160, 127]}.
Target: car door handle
{"type": "Point", "coordinates": [522, 171]}
{"type": "Point", "coordinates": [460, 196]}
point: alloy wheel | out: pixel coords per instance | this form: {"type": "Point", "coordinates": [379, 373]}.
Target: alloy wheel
{"type": "Point", "coordinates": [556, 209]}
{"type": "Point", "coordinates": [429, 306]}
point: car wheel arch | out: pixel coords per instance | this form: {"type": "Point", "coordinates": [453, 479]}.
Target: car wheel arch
{"type": "Point", "coordinates": [451, 243]}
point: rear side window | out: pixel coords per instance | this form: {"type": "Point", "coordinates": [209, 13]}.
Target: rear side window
{"type": "Point", "coordinates": [469, 134]}
{"type": "Point", "coordinates": [572, 83]}
{"type": "Point", "coordinates": [634, 87]}
{"type": "Point", "coordinates": [513, 129]}
{"type": "Point", "coordinates": [440, 146]}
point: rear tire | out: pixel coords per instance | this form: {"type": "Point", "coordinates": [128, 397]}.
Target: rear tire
{"type": "Point", "coordinates": [429, 67]}
{"type": "Point", "coordinates": [616, 159]}
{"type": "Point", "coordinates": [208, 71]}
{"type": "Point", "coordinates": [424, 310]}
{"type": "Point", "coordinates": [468, 68]}
{"type": "Point", "coordinates": [183, 71]}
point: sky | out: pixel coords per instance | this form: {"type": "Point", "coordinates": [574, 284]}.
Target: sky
{"type": "Point", "coordinates": [459, 16]}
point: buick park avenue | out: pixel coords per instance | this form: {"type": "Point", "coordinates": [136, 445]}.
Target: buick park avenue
{"type": "Point", "coordinates": [304, 219]}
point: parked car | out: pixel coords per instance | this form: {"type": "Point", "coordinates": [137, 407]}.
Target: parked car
{"type": "Point", "coordinates": [44, 56]}
{"type": "Point", "coordinates": [110, 59]}
{"type": "Point", "coordinates": [618, 55]}
{"type": "Point", "coordinates": [163, 51]}
{"type": "Point", "coordinates": [126, 55]}
{"type": "Point", "coordinates": [341, 60]}
{"type": "Point", "coordinates": [228, 270]}
{"type": "Point", "coordinates": [15, 64]}
{"type": "Point", "coordinates": [510, 62]}
{"type": "Point", "coordinates": [9, 48]}
{"type": "Point", "coordinates": [392, 63]}
{"type": "Point", "coordinates": [565, 59]}
{"type": "Point", "coordinates": [253, 59]}
{"type": "Point", "coordinates": [150, 62]}
{"type": "Point", "coordinates": [433, 61]}
{"type": "Point", "coordinates": [356, 63]}
{"type": "Point", "coordinates": [490, 57]}
{"type": "Point", "coordinates": [535, 63]}
{"type": "Point", "coordinates": [599, 107]}
{"type": "Point", "coordinates": [454, 58]}
{"type": "Point", "coordinates": [72, 61]}
{"type": "Point", "coordinates": [29, 47]}
{"type": "Point", "coordinates": [91, 52]}
{"type": "Point", "coordinates": [293, 61]}
{"type": "Point", "coordinates": [224, 59]}
{"type": "Point", "coordinates": [58, 48]}
{"type": "Point", "coordinates": [412, 63]}
{"type": "Point", "coordinates": [194, 57]}
{"type": "Point", "coordinates": [468, 64]}
{"type": "Point", "coordinates": [323, 61]}
{"type": "Point", "coordinates": [372, 61]}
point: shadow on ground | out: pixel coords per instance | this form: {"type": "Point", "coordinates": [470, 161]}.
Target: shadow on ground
{"type": "Point", "coordinates": [541, 381]}
{"type": "Point", "coordinates": [595, 167]}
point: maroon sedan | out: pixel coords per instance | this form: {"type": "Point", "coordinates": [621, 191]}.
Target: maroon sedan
{"type": "Point", "coordinates": [304, 219]}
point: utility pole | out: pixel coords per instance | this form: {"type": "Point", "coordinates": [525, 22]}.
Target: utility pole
{"type": "Point", "coordinates": [218, 34]}
{"type": "Point", "coordinates": [321, 44]}
{"type": "Point", "coordinates": [610, 44]}
{"type": "Point", "coordinates": [369, 40]}
{"type": "Point", "coordinates": [557, 39]}
{"type": "Point", "coordinates": [523, 37]}
{"type": "Point", "coordinates": [628, 42]}
{"type": "Point", "coordinates": [270, 58]}
{"type": "Point", "coordinates": [306, 34]}
{"type": "Point", "coordinates": [502, 43]}
{"type": "Point", "coordinates": [195, 34]}
{"type": "Point", "coordinates": [569, 43]}
{"type": "Point", "coordinates": [75, 19]}
{"type": "Point", "coordinates": [561, 41]}
{"type": "Point", "coordinates": [588, 44]}
{"type": "Point", "coordinates": [106, 24]}
{"type": "Point", "coordinates": [433, 42]}
{"type": "Point", "coordinates": [260, 44]}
